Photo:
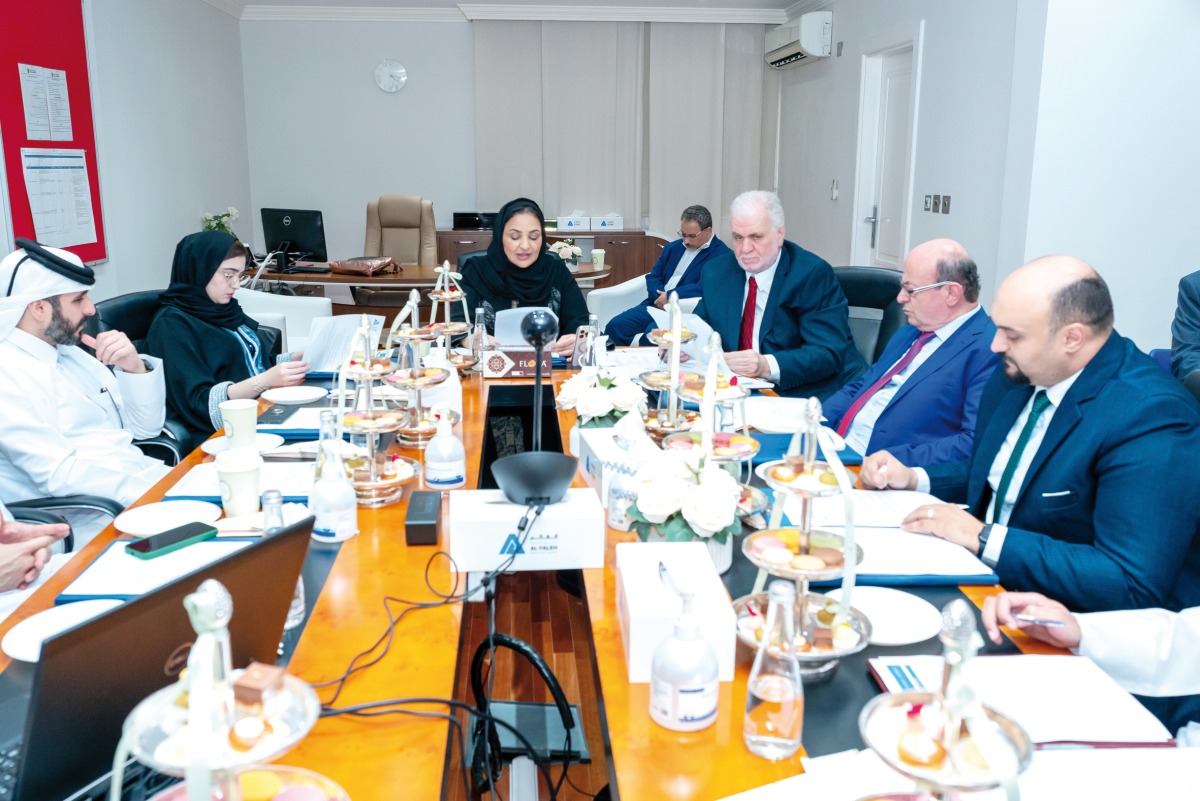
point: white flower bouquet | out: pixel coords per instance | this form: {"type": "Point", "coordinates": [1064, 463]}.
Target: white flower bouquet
{"type": "Point", "coordinates": [601, 397]}
{"type": "Point", "coordinates": [221, 221]}
{"type": "Point", "coordinates": [567, 251]}
{"type": "Point", "coordinates": [685, 498]}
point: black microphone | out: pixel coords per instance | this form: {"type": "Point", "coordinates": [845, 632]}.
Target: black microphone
{"type": "Point", "coordinates": [540, 328]}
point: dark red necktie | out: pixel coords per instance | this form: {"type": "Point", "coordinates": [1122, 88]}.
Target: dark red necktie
{"type": "Point", "coordinates": [898, 367]}
{"type": "Point", "coordinates": [746, 339]}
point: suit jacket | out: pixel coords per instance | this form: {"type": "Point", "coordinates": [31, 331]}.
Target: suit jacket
{"type": "Point", "coordinates": [931, 418]}
{"type": "Point", "coordinates": [664, 268]}
{"type": "Point", "coordinates": [1108, 515]}
{"type": "Point", "coordinates": [806, 325]}
{"type": "Point", "coordinates": [1185, 330]}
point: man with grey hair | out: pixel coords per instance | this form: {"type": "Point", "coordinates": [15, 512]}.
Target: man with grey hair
{"type": "Point", "coordinates": [919, 400]}
{"type": "Point", "coordinates": [678, 269]}
{"type": "Point", "coordinates": [70, 418]}
{"type": "Point", "coordinates": [779, 309]}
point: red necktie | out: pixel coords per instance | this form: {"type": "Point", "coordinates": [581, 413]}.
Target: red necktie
{"type": "Point", "coordinates": [898, 367]}
{"type": "Point", "coordinates": [746, 338]}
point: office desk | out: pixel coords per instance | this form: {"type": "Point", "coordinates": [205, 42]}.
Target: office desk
{"type": "Point", "coordinates": [411, 276]}
{"type": "Point", "coordinates": [374, 757]}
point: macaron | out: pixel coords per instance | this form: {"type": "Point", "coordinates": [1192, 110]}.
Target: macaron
{"type": "Point", "coordinates": [807, 562]}
{"type": "Point", "coordinates": [259, 785]}
{"type": "Point", "coordinates": [831, 556]}
{"type": "Point", "coordinates": [776, 556]}
{"type": "Point", "coordinates": [761, 543]}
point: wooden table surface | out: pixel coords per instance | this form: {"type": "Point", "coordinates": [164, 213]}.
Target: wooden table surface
{"type": "Point", "coordinates": [374, 758]}
{"type": "Point", "coordinates": [410, 275]}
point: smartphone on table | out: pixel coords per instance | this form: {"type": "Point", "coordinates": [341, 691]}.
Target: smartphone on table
{"type": "Point", "coordinates": [171, 540]}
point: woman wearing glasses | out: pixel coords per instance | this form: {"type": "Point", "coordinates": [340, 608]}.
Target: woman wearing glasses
{"type": "Point", "coordinates": [210, 348]}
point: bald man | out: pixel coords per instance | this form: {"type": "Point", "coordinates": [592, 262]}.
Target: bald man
{"type": "Point", "coordinates": [1082, 480]}
{"type": "Point", "coordinates": [919, 400]}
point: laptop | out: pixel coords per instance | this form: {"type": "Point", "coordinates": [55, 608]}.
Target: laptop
{"type": "Point", "coordinates": [61, 718]}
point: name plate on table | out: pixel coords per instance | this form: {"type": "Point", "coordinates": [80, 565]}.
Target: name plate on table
{"type": "Point", "coordinates": [515, 362]}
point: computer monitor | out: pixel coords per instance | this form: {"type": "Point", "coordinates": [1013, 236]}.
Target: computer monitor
{"type": "Point", "coordinates": [300, 232]}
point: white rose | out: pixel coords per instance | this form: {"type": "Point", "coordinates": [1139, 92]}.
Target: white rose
{"type": "Point", "coordinates": [662, 498]}
{"type": "Point", "coordinates": [628, 396]}
{"type": "Point", "coordinates": [593, 402]}
{"type": "Point", "coordinates": [663, 464]}
{"type": "Point", "coordinates": [708, 508]}
{"type": "Point", "coordinates": [568, 394]}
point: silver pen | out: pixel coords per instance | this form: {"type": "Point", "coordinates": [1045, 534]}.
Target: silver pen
{"type": "Point", "coordinates": [1037, 621]}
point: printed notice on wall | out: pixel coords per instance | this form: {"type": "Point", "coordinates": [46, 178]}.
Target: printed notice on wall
{"type": "Point", "coordinates": [47, 106]}
{"type": "Point", "coordinates": [60, 196]}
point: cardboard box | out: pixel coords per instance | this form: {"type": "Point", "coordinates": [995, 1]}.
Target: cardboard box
{"type": "Point", "coordinates": [574, 223]}
{"type": "Point", "coordinates": [512, 362]}
{"type": "Point", "coordinates": [483, 532]}
{"type": "Point", "coordinates": [597, 446]}
{"type": "Point", "coordinates": [647, 608]}
{"type": "Point", "coordinates": [609, 222]}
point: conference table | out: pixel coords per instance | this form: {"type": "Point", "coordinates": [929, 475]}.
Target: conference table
{"type": "Point", "coordinates": [417, 757]}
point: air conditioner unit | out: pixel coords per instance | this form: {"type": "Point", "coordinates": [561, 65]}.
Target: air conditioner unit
{"type": "Point", "coordinates": [801, 42]}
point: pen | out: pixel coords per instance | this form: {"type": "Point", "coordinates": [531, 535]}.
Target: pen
{"type": "Point", "coordinates": [1037, 621]}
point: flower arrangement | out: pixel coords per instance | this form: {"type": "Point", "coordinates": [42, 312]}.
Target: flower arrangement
{"type": "Point", "coordinates": [601, 397]}
{"type": "Point", "coordinates": [220, 221]}
{"type": "Point", "coordinates": [685, 497]}
{"type": "Point", "coordinates": [567, 250]}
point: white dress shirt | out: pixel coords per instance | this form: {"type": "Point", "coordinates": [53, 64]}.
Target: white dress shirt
{"type": "Point", "coordinates": [68, 423]}
{"type": "Point", "coordinates": [1148, 651]}
{"type": "Point", "coordinates": [763, 280]}
{"type": "Point", "coordinates": [995, 544]}
{"type": "Point", "coordinates": [863, 426]}
{"type": "Point", "coordinates": [685, 261]}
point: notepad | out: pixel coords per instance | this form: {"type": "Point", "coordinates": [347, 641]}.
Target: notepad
{"type": "Point", "coordinates": [116, 574]}
{"type": "Point", "coordinates": [293, 480]}
{"type": "Point", "coordinates": [872, 508]}
{"type": "Point", "coordinates": [304, 422]}
{"type": "Point", "coordinates": [330, 340]}
{"type": "Point", "coordinates": [1056, 699]}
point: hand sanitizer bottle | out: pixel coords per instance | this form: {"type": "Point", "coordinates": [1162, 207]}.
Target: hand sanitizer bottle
{"type": "Point", "coordinates": [445, 459]}
{"type": "Point", "coordinates": [683, 677]}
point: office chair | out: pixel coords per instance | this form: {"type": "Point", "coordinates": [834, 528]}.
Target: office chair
{"type": "Point", "coordinates": [401, 226]}
{"type": "Point", "coordinates": [44, 510]}
{"type": "Point", "coordinates": [875, 314]}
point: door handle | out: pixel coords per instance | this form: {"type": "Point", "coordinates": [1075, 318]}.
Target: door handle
{"type": "Point", "coordinates": [874, 221]}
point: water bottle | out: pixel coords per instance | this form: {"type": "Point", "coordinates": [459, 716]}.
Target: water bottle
{"type": "Point", "coordinates": [582, 355]}
{"type": "Point", "coordinates": [272, 502]}
{"type": "Point", "coordinates": [479, 340]}
{"type": "Point", "coordinates": [775, 694]}
{"type": "Point", "coordinates": [445, 459]}
{"type": "Point", "coordinates": [332, 501]}
{"type": "Point", "coordinates": [684, 686]}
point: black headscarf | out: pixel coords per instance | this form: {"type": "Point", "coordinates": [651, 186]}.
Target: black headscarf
{"type": "Point", "coordinates": [529, 286]}
{"type": "Point", "coordinates": [197, 258]}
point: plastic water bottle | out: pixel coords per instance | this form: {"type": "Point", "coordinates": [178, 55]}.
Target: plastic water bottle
{"type": "Point", "coordinates": [272, 502]}
{"type": "Point", "coordinates": [585, 335]}
{"type": "Point", "coordinates": [332, 501]}
{"type": "Point", "coordinates": [684, 688]}
{"type": "Point", "coordinates": [775, 694]}
{"type": "Point", "coordinates": [479, 340]}
{"type": "Point", "coordinates": [445, 459]}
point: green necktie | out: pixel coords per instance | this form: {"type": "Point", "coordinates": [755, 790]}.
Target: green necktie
{"type": "Point", "coordinates": [1040, 402]}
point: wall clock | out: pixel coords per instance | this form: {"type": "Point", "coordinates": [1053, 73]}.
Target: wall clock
{"type": "Point", "coordinates": [390, 75]}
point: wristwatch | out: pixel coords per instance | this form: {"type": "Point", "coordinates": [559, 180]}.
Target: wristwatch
{"type": "Point", "coordinates": [983, 539]}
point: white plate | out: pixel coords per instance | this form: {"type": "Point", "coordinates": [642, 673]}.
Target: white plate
{"type": "Point", "coordinates": [262, 442]}
{"type": "Point", "coordinates": [897, 617]}
{"type": "Point", "coordinates": [775, 415]}
{"type": "Point", "coordinates": [155, 518]}
{"type": "Point", "coordinates": [24, 640]}
{"type": "Point", "coordinates": [294, 396]}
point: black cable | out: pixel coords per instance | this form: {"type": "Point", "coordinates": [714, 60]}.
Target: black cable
{"type": "Point", "coordinates": [454, 721]}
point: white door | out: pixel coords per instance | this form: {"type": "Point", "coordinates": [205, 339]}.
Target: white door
{"type": "Point", "coordinates": [884, 161]}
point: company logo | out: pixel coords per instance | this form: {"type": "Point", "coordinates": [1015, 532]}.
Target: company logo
{"type": "Point", "coordinates": [177, 660]}
{"type": "Point", "coordinates": [287, 219]}
{"type": "Point", "coordinates": [511, 546]}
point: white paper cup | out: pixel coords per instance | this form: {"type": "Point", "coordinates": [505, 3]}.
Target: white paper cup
{"type": "Point", "coordinates": [241, 422]}
{"type": "Point", "coordinates": [239, 472]}
{"type": "Point", "coordinates": [597, 259]}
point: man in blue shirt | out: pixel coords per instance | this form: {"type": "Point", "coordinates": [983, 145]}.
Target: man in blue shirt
{"type": "Point", "coordinates": [678, 269]}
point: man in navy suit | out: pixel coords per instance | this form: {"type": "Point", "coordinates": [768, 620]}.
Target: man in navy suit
{"type": "Point", "coordinates": [919, 400]}
{"type": "Point", "coordinates": [1185, 329]}
{"type": "Point", "coordinates": [779, 309]}
{"type": "Point", "coordinates": [677, 269]}
{"type": "Point", "coordinates": [1082, 481]}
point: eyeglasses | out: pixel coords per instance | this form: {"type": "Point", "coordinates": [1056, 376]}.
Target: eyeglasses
{"type": "Point", "coordinates": [689, 237]}
{"type": "Point", "coordinates": [915, 290]}
{"type": "Point", "coordinates": [232, 277]}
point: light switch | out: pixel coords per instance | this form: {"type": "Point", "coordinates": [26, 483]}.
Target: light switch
{"type": "Point", "coordinates": [945, 204]}
{"type": "Point", "coordinates": [928, 202]}
{"type": "Point", "coordinates": [937, 204]}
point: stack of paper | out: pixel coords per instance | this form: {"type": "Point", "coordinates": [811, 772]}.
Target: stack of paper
{"type": "Point", "coordinates": [330, 340]}
{"type": "Point", "coordinates": [116, 574]}
{"type": "Point", "coordinates": [293, 480]}
{"type": "Point", "coordinates": [1056, 699]}
{"type": "Point", "coordinates": [846, 776]}
{"type": "Point", "coordinates": [304, 422]}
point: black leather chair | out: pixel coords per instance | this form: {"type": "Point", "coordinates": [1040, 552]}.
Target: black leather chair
{"type": "Point", "coordinates": [132, 315]}
{"type": "Point", "coordinates": [45, 510]}
{"type": "Point", "coordinates": [463, 258]}
{"type": "Point", "coordinates": [875, 314]}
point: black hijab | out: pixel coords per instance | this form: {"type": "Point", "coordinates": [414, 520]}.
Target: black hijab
{"type": "Point", "coordinates": [529, 286]}
{"type": "Point", "coordinates": [197, 258]}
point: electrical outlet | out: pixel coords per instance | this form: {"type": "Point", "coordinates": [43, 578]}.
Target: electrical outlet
{"type": "Point", "coordinates": [945, 204]}
{"type": "Point", "coordinates": [928, 202]}
{"type": "Point", "coordinates": [937, 204]}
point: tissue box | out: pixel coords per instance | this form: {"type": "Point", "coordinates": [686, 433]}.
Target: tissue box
{"type": "Point", "coordinates": [596, 446]}
{"type": "Point", "coordinates": [483, 532]}
{"type": "Point", "coordinates": [515, 363]}
{"type": "Point", "coordinates": [647, 608]}
{"type": "Point", "coordinates": [574, 223]}
{"type": "Point", "coordinates": [609, 222]}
